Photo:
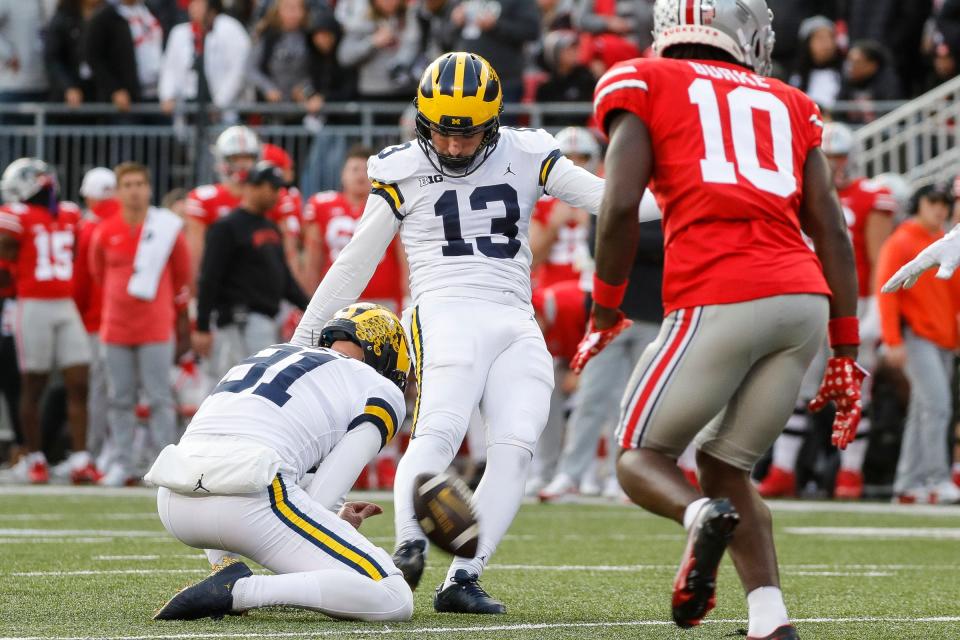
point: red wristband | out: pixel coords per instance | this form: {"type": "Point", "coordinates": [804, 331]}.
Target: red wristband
{"type": "Point", "coordinates": [844, 331]}
{"type": "Point", "coordinates": [608, 295]}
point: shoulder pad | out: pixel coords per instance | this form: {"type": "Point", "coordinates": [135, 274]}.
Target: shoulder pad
{"type": "Point", "coordinates": [870, 186]}
{"type": "Point", "coordinates": [395, 163]}
{"type": "Point", "coordinates": [535, 141]}
{"type": "Point", "coordinates": [205, 192]}
{"type": "Point", "coordinates": [69, 207]}
{"type": "Point", "coordinates": [17, 208]}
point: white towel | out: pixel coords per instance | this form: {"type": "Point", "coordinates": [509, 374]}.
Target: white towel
{"type": "Point", "coordinates": [160, 231]}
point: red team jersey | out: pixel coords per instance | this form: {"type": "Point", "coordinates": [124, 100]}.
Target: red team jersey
{"type": "Point", "coordinates": [571, 244]}
{"type": "Point", "coordinates": [564, 310]}
{"type": "Point", "coordinates": [45, 261]}
{"type": "Point", "coordinates": [336, 220]}
{"type": "Point", "coordinates": [859, 198]}
{"type": "Point", "coordinates": [211, 202]}
{"type": "Point", "coordinates": [729, 149]}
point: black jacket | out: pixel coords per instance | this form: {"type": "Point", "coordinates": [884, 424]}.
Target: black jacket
{"type": "Point", "coordinates": [111, 56]}
{"type": "Point", "coordinates": [63, 54]}
{"type": "Point", "coordinates": [244, 270]}
{"type": "Point", "coordinates": [502, 46]}
{"type": "Point", "coordinates": [643, 300]}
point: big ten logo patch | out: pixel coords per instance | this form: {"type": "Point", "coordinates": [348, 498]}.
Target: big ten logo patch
{"type": "Point", "coordinates": [425, 180]}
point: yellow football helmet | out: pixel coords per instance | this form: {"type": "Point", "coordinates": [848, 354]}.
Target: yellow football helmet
{"type": "Point", "coordinates": [377, 331]}
{"type": "Point", "coordinates": [459, 95]}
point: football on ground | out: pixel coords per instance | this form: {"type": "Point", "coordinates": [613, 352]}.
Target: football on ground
{"type": "Point", "coordinates": [442, 505]}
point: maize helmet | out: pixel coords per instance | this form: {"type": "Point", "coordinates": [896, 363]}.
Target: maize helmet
{"type": "Point", "coordinates": [459, 95]}
{"type": "Point", "coordinates": [377, 331]}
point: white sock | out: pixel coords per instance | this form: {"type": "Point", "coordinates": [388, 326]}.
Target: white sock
{"type": "Point", "coordinates": [851, 458]}
{"type": "Point", "coordinates": [340, 594]}
{"type": "Point", "coordinates": [786, 448]}
{"type": "Point", "coordinates": [496, 503]}
{"type": "Point", "coordinates": [688, 459]}
{"type": "Point", "coordinates": [690, 514]}
{"type": "Point", "coordinates": [426, 454]}
{"type": "Point", "coordinates": [767, 611]}
{"type": "Point", "coordinates": [36, 456]}
{"type": "Point", "coordinates": [79, 459]}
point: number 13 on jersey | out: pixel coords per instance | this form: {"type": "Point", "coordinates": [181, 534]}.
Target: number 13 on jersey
{"type": "Point", "coordinates": [742, 104]}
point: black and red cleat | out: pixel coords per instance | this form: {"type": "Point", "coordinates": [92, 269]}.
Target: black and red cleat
{"type": "Point", "coordinates": [786, 632]}
{"type": "Point", "coordinates": [695, 587]}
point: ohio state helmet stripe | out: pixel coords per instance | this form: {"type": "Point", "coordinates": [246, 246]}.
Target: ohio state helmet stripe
{"type": "Point", "coordinates": [690, 12]}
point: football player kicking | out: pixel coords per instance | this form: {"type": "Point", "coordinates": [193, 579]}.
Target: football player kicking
{"type": "Point", "coordinates": [232, 486]}
{"type": "Point", "coordinates": [461, 196]}
{"type": "Point", "coordinates": [735, 162]}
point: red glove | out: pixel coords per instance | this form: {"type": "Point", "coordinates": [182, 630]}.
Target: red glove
{"type": "Point", "coordinates": [595, 340]}
{"type": "Point", "coordinates": [841, 384]}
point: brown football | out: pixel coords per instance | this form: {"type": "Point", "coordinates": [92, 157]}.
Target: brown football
{"type": "Point", "coordinates": [442, 505]}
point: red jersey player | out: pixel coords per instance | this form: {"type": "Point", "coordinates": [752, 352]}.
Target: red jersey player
{"type": "Point", "coordinates": [287, 213]}
{"type": "Point", "coordinates": [37, 232]}
{"type": "Point", "coordinates": [558, 232]}
{"type": "Point", "coordinates": [734, 160]}
{"type": "Point", "coordinates": [237, 150]}
{"type": "Point", "coordinates": [330, 218]}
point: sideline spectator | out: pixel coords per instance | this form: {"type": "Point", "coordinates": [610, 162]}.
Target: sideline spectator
{"type": "Point", "coordinates": [244, 275]}
{"type": "Point", "coordinates": [630, 20]}
{"type": "Point", "coordinates": [326, 75]}
{"type": "Point", "coordinates": [286, 214]}
{"type": "Point", "coordinates": [919, 328]}
{"type": "Point", "coordinates": [555, 15]}
{"type": "Point", "coordinates": [498, 31]}
{"type": "Point", "coordinates": [67, 70]}
{"type": "Point", "coordinates": [569, 81]}
{"type": "Point", "coordinates": [283, 55]}
{"type": "Point", "coordinates": [22, 76]}
{"type": "Point", "coordinates": [867, 77]}
{"type": "Point", "coordinates": [379, 41]}
{"type": "Point", "coordinates": [225, 48]}
{"type": "Point", "coordinates": [787, 17]}
{"type": "Point", "coordinates": [124, 46]}
{"type": "Point", "coordinates": [816, 71]}
{"type": "Point", "coordinates": [37, 233]}
{"type": "Point", "coordinates": [140, 255]}
{"type": "Point", "coordinates": [98, 190]}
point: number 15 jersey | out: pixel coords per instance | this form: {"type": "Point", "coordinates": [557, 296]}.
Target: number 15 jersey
{"type": "Point", "coordinates": [729, 148]}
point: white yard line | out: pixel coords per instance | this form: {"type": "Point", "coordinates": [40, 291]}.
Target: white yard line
{"type": "Point", "coordinates": [878, 533]}
{"type": "Point", "coordinates": [87, 533]}
{"type": "Point", "coordinates": [386, 630]}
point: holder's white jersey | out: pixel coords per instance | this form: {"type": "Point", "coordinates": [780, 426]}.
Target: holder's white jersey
{"type": "Point", "coordinates": [299, 402]}
{"type": "Point", "coordinates": [470, 235]}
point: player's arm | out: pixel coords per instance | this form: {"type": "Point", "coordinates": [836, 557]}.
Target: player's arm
{"type": "Point", "coordinates": [341, 468]}
{"type": "Point", "coordinates": [629, 164]}
{"type": "Point", "coordinates": [195, 230]}
{"type": "Point", "coordinates": [351, 271]}
{"type": "Point", "coordinates": [9, 247]}
{"type": "Point", "coordinates": [569, 183]}
{"type": "Point", "coordinates": [879, 227]}
{"type": "Point", "coordinates": [822, 220]}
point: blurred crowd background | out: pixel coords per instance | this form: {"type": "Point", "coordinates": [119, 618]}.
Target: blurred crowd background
{"type": "Point", "coordinates": [192, 97]}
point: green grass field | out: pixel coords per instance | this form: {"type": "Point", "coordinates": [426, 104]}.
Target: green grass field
{"type": "Point", "coordinates": [96, 564]}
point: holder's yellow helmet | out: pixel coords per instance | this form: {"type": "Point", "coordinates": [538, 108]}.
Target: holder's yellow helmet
{"type": "Point", "coordinates": [459, 94]}
{"type": "Point", "coordinates": [377, 331]}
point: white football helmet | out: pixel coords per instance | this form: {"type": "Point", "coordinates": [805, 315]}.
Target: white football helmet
{"type": "Point", "coordinates": [742, 28]}
{"type": "Point", "coordinates": [236, 143]}
{"type": "Point", "coordinates": [837, 139]}
{"type": "Point", "coordinates": [24, 178]}
{"type": "Point", "coordinates": [898, 186]}
{"type": "Point", "coordinates": [579, 141]}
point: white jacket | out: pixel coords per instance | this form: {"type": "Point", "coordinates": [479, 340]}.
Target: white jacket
{"type": "Point", "coordinates": [226, 46]}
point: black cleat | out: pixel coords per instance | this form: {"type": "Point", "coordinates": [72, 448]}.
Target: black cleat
{"type": "Point", "coordinates": [786, 632]}
{"type": "Point", "coordinates": [212, 597]}
{"type": "Point", "coordinates": [695, 587]}
{"type": "Point", "coordinates": [465, 595]}
{"type": "Point", "coordinates": [410, 557]}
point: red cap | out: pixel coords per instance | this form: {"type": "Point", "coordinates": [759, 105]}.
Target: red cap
{"type": "Point", "coordinates": [276, 155]}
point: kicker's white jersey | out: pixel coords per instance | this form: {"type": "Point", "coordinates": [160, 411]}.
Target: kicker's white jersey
{"type": "Point", "coordinates": [299, 402]}
{"type": "Point", "coordinates": [469, 236]}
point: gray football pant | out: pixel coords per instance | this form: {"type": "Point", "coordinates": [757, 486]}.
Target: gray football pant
{"type": "Point", "coordinates": [131, 369]}
{"type": "Point", "coordinates": [232, 344]}
{"type": "Point", "coordinates": [602, 384]}
{"type": "Point", "coordinates": [96, 398]}
{"type": "Point", "coordinates": [923, 454]}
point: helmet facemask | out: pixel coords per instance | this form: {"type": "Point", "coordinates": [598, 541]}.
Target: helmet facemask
{"type": "Point", "coordinates": [457, 166]}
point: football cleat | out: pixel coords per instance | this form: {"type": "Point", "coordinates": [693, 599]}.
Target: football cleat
{"type": "Point", "coordinates": [465, 595]}
{"type": "Point", "coordinates": [38, 472]}
{"type": "Point", "coordinates": [562, 487]}
{"type": "Point", "coordinates": [786, 632]}
{"type": "Point", "coordinates": [779, 483]}
{"type": "Point", "coordinates": [695, 587]}
{"type": "Point", "coordinates": [212, 597]}
{"type": "Point", "coordinates": [88, 474]}
{"type": "Point", "coordinates": [410, 557]}
{"type": "Point", "coordinates": [849, 485]}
